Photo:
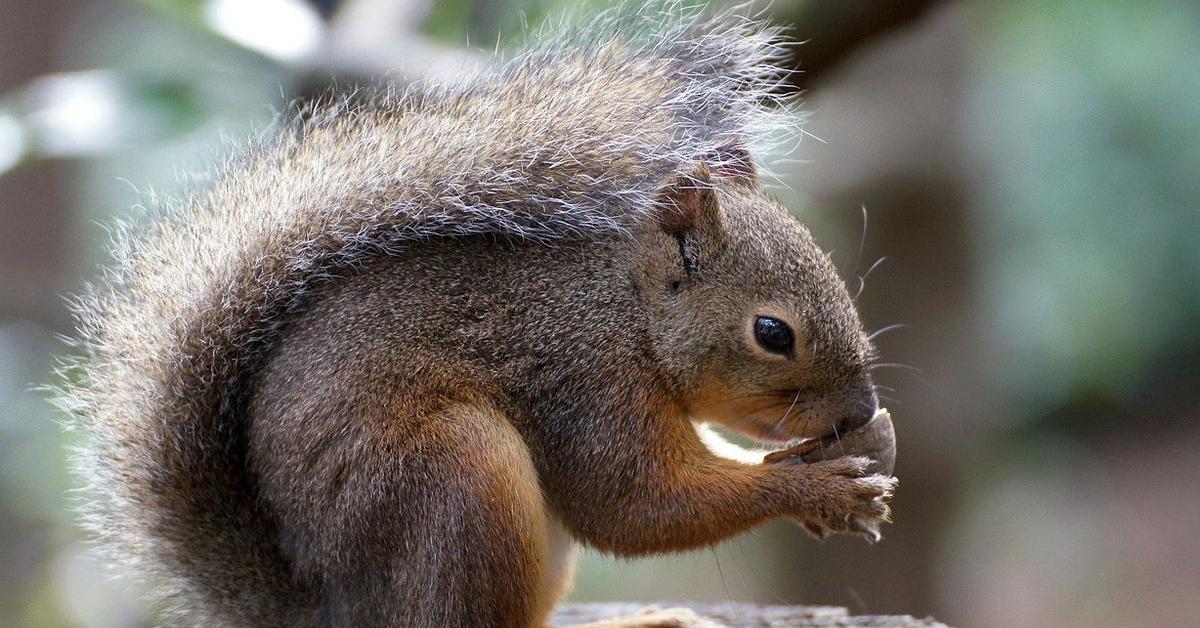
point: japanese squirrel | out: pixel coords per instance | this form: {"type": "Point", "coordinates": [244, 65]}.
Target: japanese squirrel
{"type": "Point", "coordinates": [404, 353]}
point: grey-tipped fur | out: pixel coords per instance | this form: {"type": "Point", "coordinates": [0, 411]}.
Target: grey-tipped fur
{"type": "Point", "coordinates": [572, 137]}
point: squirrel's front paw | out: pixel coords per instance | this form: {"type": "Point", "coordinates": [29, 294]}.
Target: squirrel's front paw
{"type": "Point", "coordinates": [841, 495]}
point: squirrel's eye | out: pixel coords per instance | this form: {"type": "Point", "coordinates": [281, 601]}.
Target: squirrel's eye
{"type": "Point", "coordinates": [774, 335]}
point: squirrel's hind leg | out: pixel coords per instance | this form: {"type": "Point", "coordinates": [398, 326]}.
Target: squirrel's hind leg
{"type": "Point", "coordinates": [446, 528]}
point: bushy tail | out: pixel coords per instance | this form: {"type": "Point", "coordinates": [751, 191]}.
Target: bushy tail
{"type": "Point", "coordinates": [571, 137]}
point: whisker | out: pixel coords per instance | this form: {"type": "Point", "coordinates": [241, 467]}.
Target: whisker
{"type": "Point", "coordinates": [883, 330]}
{"type": "Point", "coordinates": [870, 270]}
{"type": "Point", "coordinates": [769, 406]}
{"type": "Point", "coordinates": [774, 393]}
{"type": "Point", "coordinates": [789, 410]}
{"type": "Point", "coordinates": [721, 572]}
{"type": "Point", "coordinates": [917, 373]}
{"type": "Point", "coordinates": [862, 242]}
{"type": "Point", "coordinates": [862, 279]}
{"type": "Point", "coordinates": [893, 365]}
{"type": "Point", "coordinates": [807, 417]}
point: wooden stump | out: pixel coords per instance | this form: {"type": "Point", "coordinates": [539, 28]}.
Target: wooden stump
{"type": "Point", "coordinates": [748, 615]}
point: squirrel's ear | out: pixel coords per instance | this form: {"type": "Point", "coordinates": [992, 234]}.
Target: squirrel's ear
{"type": "Point", "coordinates": [687, 202]}
{"type": "Point", "coordinates": [733, 162]}
{"type": "Point", "coordinates": [688, 210]}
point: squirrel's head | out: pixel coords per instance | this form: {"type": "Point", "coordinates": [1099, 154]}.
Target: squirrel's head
{"type": "Point", "coordinates": [749, 317]}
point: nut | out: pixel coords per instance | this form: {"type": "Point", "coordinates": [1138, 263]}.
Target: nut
{"type": "Point", "coordinates": [875, 440]}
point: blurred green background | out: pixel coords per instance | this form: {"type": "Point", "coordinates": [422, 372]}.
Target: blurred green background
{"type": "Point", "coordinates": [1029, 170]}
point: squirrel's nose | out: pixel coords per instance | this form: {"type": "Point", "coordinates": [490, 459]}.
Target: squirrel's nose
{"type": "Point", "coordinates": [846, 407]}
{"type": "Point", "coordinates": [861, 410]}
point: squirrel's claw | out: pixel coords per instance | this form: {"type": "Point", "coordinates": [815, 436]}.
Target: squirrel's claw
{"type": "Point", "coordinates": [869, 529]}
{"type": "Point", "coordinates": [816, 530]}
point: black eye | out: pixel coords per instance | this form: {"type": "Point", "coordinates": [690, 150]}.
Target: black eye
{"type": "Point", "coordinates": [774, 335]}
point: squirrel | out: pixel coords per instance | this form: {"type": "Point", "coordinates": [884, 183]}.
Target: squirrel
{"type": "Point", "coordinates": [405, 354]}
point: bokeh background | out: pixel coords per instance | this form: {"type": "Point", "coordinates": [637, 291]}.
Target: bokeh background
{"type": "Point", "coordinates": [1016, 183]}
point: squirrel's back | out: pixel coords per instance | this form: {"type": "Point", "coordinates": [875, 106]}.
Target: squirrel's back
{"type": "Point", "coordinates": [569, 139]}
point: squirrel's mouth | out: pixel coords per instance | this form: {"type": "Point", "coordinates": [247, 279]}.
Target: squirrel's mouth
{"type": "Point", "coordinates": [784, 421]}
{"type": "Point", "coordinates": [805, 446]}
{"type": "Point", "coordinates": [781, 435]}
{"type": "Point", "coordinates": [783, 417]}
